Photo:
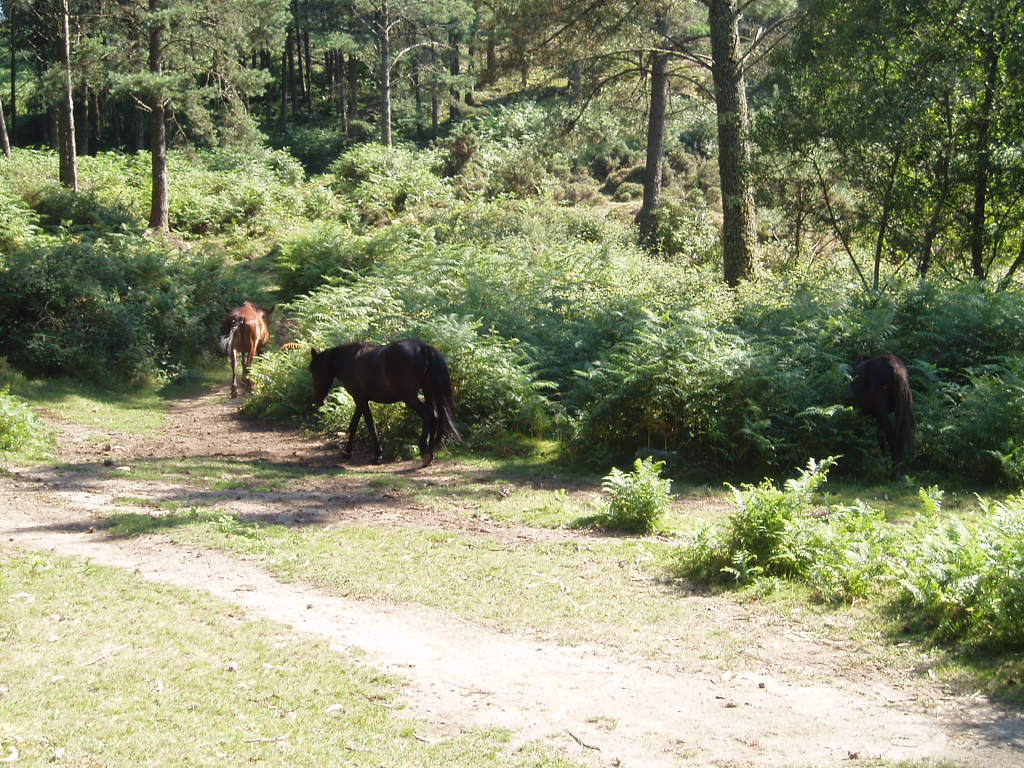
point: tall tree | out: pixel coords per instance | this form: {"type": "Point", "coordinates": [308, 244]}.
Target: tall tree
{"type": "Point", "coordinates": [5, 141]}
{"type": "Point", "coordinates": [66, 109]}
{"type": "Point", "coordinates": [924, 142]}
{"type": "Point", "coordinates": [197, 61]}
{"type": "Point", "coordinates": [158, 208]}
{"type": "Point", "coordinates": [395, 28]}
{"type": "Point", "coordinates": [739, 236]}
{"type": "Point", "coordinates": [646, 218]}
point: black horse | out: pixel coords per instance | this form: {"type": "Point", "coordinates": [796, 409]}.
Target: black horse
{"type": "Point", "coordinates": [392, 373]}
{"type": "Point", "coordinates": [881, 386]}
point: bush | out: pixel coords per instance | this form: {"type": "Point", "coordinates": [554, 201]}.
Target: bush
{"type": "Point", "coordinates": [18, 223]}
{"type": "Point", "coordinates": [304, 258]}
{"type": "Point", "coordinates": [685, 234]}
{"type": "Point", "coordinates": [965, 583]}
{"type": "Point", "coordinates": [639, 499]}
{"type": "Point", "coordinates": [757, 540]}
{"type": "Point", "coordinates": [628, 191]}
{"type": "Point", "coordinates": [118, 309]}
{"type": "Point", "coordinates": [386, 181]}
{"type": "Point", "coordinates": [20, 428]}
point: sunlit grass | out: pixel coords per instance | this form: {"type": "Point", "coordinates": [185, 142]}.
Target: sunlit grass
{"type": "Point", "coordinates": [103, 668]}
{"type": "Point", "coordinates": [140, 411]}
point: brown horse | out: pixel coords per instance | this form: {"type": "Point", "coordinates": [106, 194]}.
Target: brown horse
{"type": "Point", "coordinates": [389, 374]}
{"type": "Point", "coordinates": [244, 333]}
{"type": "Point", "coordinates": [881, 386]}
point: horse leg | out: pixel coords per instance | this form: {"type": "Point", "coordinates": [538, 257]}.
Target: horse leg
{"type": "Point", "coordinates": [426, 413]}
{"type": "Point", "coordinates": [234, 362]}
{"type": "Point", "coordinates": [887, 441]}
{"type": "Point", "coordinates": [378, 453]}
{"type": "Point", "coordinates": [352, 424]}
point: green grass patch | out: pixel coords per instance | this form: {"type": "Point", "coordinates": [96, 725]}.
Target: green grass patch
{"type": "Point", "coordinates": [221, 474]}
{"type": "Point", "coordinates": [139, 411]}
{"type": "Point", "coordinates": [611, 591]}
{"type": "Point", "coordinates": [101, 668]}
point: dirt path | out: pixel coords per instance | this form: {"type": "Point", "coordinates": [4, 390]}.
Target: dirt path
{"type": "Point", "coordinates": [599, 709]}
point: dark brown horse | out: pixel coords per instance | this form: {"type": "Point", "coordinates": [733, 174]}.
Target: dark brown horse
{"type": "Point", "coordinates": [881, 389]}
{"type": "Point", "coordinates": [244, 333]}
{"type": "Point", "coordinates": [389, 374]}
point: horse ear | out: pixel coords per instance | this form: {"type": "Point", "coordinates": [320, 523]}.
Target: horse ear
{"type": "Point", "coordinates": [313, 353]}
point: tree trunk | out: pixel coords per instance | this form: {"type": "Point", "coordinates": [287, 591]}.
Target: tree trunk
{"type": "Point", "coordinates": [293, 93]}
{"type": "Point", "coordinates": [982, 154]}
{"type": "Point", "coordinates": [417, 94]}
{"type": "Point", "coordinates": [932, 228]}
{"type": "Point", "coordinates": [5, 141]}
{"type": "Point", "coordinates": [342, 95]}
{"type": "Point", "coordinates": [66, 126]}
{"type": "Point", "coordinates": [435, 99]}
{"type": "Point", "coordinates": [282, 115]}
{"type": "Point", "coordinates": [353, 88]}
{"type": "Point", "coordinates": [738, 228]}
{"type": "Point", "coordinates": [308, 77]}
{"type": "Point", "coordinates": [471, 54]}
{"type": "Point", "coordinates": [82, 123]}
{"type": "Point", "coordinates": [139, 129]}
{"type": "Point", "coordinates": [647, 217]}
{"type": "Point", "coordinates": [454, 69]}
{"type": "Point", "coordinates": [96, 111]}
{"type": "Point", "coordinates": [384, 50]}
{"type": "Point", "coordinates": [158, 211]}
{"type": "Point", "coordinates": [14, 81]}
{"type": "Point", "coordinates": [883, 224]}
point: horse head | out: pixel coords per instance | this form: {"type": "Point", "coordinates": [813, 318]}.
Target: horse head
{"type": "Point", "coordinates": [321, 366]}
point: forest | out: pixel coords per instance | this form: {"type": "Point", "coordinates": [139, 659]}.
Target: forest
{"type": "Point", "coordinates": [665, 224]}
{"type": "Point", "coordinates": [654, 227]}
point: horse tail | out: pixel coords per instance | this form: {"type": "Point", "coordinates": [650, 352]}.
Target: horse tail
{"type": "Point", "coordinates": [905, 425]}
{"type": "Point", "coordinates": [227, 334]}
{"type": "Point", "coordinates": [438, 390]}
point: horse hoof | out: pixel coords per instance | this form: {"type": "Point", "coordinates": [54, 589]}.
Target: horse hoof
{"type": "Point", "coordinates": [428, 460]}
{"type": "Point", "coordinates": [378, 459]}
{"type": "Point", "coordinates": [346, 455]}
{"type": "Point", "coordinates": [234, 393]}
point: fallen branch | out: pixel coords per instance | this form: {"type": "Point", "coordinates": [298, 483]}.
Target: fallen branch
{"type": "Point", "coordinates": [579, 741]}
{"type": "Point", "coordinates": [107, 654]}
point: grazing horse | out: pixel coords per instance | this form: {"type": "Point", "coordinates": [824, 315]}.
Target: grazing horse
{"type": "Point", "coordinates": [392, 373]}
{"type": "Point", "coordinates": [881, 386]}
{"type": "Point", "coordinates": [244, 333]}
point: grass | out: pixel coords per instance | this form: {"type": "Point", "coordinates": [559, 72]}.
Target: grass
{"type": "Point", "coordinates": [607, 590]}
{"type": "Point", "coordinates": [139, 412]}
{"type": "Point", "coordinates": [221, 474]}
{"type": "Point", "coordinates": [101, 668]}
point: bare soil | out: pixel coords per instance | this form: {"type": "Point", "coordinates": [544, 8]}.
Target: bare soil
{"type": "Point", "coordinates": [802, 700]}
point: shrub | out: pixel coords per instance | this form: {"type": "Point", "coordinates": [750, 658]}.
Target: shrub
{"type": "Point", "coordinates": [757, 538]}
{"type": "Point", "coordinates": [20, 428]}
{"type": "Point", "coordinates": [305, 257]}
{"type": "Point", "coordinates": [965, 583]}
{"type": "Point", "coordinates": [639, 499]}
{"type": "Point", "coordinates": [116, 309]}
{"type": "Point", "coordinates": [685, 234]}
{"type": "Point", "coordinates": [18, 223]}
{"type": "Point", "coordinates": [628, 191]}
{"type": "Point", "coordinates": [385, 181]}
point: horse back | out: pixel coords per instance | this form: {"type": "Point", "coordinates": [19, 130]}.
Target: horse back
{"type": "Point", "coordinates": [881, 385]}
{"type": "Point", "coordinates": [251, 322]}
{"type": "Point", "coordinates": [388, 373]}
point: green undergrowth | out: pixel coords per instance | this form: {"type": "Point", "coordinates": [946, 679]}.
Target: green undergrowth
{"type": "Point", "coordinates": [101, 668]}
